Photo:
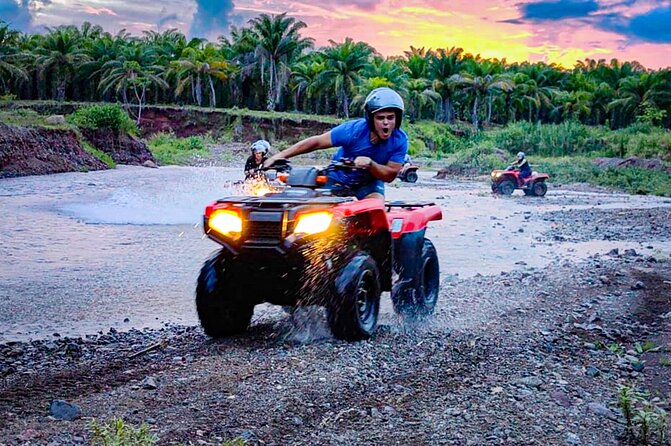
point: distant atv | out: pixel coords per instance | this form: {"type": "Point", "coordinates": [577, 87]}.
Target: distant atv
{"type": "Point", "coordinates": [304, 246]}
{"type": "Point", "coordinates": [408, 173]}
{"type": "Point", "coordinates": [505, 182]}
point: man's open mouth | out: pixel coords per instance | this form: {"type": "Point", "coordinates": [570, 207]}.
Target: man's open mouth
{"type": "Point", "coordinates": [385, 131]}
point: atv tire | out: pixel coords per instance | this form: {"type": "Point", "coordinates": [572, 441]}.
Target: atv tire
{"type": "Point", "coordinates": [411, 177]}
{"type": "Point", "coordinates": [506, 187]}
{"type": "Point", "coordinates": [221, 309]}
{"type": "Point", "coordinates": [539, 188]}
{"type": "Point", "coordinates": [416, 297]}
{"type": "Point", "coordinates": [352, 315]}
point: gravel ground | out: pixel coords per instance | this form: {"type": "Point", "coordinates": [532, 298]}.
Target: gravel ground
{"type": "Point", "coordinates": [518, 357]}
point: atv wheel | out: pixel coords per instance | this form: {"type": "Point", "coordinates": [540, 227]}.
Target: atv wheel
{"type": "Point", "coordinates": [411, 177]}
{"type": "Point", "coordinates": [495, 188]}
{"type": "Point", "coordinates": [221, 309]}
{"type": "Point", "coordinates": [506, 187]}
{"type": "Point", "coordinates": [416, 297]}
{"type": "Point", "coordinates": [539, 189]}
{"type": "Point", "coordinates": [352, 315]}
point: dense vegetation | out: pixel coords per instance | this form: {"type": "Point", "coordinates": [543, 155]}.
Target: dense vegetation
{"type": "Point", "coordinates": [269, 65]}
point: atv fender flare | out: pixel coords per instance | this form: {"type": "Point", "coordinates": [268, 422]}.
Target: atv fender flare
{"type": "Point", "coordinates": [402, 222]}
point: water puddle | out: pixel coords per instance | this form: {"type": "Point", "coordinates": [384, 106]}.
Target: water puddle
{"type": "Point", "coordinates": [83, 252]}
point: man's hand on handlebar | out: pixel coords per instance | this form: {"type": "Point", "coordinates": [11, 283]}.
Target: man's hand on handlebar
{"type": "Point", "coordinates": [363, 162]}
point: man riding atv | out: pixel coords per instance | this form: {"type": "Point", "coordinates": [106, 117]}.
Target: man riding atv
{"type": "Point", "coordinates": [376, 143]}
{"type": "Point", "coordinates": [522, 165]}
{"type": "Point", "coordinates": [255, 161]}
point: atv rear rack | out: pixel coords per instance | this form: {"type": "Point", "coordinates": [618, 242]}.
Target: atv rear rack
{"type": "Point", "coordinates": [407, 204]}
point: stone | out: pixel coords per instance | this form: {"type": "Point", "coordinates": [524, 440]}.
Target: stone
{"type": "Point", "coordinates": [62, 410]}
{"type": "Point", "coordinates": [55, 120]}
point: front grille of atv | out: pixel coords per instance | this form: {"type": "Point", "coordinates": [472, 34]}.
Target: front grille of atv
{"type": "Point", "coordinates": [264, 230]}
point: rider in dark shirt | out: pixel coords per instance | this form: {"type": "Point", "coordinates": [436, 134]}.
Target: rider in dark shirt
{"type": "Point", "coordinates": [522, 164]}
{"type": "Point", "coordinates": [257, 158]}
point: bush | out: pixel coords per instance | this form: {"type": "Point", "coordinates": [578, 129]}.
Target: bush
{"type": "Point", "coordinates": [108, 116]}
{"type": "Point", "coordinates": [117, 433]}
{"type": "Point", "coordinates": [633, 180]}
{"type": "Point", "coordinates": [567, 138]}
{"type": "Point", "coordinates": [428, 138]}
{"type": "Point", "coordinates": [171, 150]}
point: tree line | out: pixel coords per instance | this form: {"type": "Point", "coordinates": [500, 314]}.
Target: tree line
{"type": "Point", "coordinates": [269, 65]}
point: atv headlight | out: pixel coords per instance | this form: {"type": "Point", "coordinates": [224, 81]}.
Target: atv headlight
{"type": "Point", "coordinates": [313, 223]}
{"type": "Point", "coordinates": [226, 222]}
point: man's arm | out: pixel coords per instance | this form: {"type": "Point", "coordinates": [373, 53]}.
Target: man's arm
{"type": "Point", "coordinates": [385, 172]}
{"type": "Point", "coordinates": [306, 145]}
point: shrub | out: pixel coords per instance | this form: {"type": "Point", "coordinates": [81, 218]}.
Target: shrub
{"type": "Point", "coordinates": [117, 433]}
{"type": "Point", "coordinates": [171, 150]}
{"type": "Point", "coordinates": [108, 116]}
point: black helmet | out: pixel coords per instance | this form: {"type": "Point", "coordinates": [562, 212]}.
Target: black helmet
{"type": "Point", "coordinates": [383, 98]}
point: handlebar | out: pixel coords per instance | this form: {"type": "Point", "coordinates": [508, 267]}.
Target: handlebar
{"type": "Point", "coordinates": [280, 165]}
{"type": "Point", "coordinates": [345, 164]}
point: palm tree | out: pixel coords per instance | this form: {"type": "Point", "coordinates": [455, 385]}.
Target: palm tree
{"type": "Point", "coordinates": [199, 65]}
{"type": "Point", "coordinates": [61, 53]}
{"type": "Point", "coordinates": [443, 65]}
{"type": "Point", "coordinates": [480, 86]}
{"type": "Point", "coordinates": [305, 80]}
{"type": "Point", "coordinates": [420, 96]}
{"type": "Point", "coordinates": [638, 91]}
{"type": "Point", "coordinates": [133, 72]}
{"type": "Point", "coordinates": [279, 42]}
{"type": "Point", "coordinates": [9, 56]}
{"type": "Point", "coordinates": [344, 62]}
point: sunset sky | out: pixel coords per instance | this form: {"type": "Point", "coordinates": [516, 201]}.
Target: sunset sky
{"type": "Point", "coordinates": [518, 30]}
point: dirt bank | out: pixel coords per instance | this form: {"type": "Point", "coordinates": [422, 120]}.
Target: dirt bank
{"type": "Point", "coordinates": [37, 151]}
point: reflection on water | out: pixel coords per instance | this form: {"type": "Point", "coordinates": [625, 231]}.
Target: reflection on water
{"type": "Point", "coordinates": [83, 252]}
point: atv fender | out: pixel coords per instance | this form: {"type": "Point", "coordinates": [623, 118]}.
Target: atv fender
{"type": "Point", "coordinates": [417, 219]}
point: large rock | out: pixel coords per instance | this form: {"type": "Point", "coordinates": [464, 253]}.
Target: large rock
{"type": "Point", "coordinates": [123, 148]}
{"type": "Point", "coordinates": [632, 161]}
{"type": "Point", "coordinates": [38, 151]}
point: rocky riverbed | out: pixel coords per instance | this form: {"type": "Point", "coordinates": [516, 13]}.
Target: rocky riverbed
{"type": "Point", "coordinates": [547, 308]}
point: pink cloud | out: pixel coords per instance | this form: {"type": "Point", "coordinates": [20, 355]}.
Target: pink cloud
{"type": "Point", "coordinates": [98, 11]}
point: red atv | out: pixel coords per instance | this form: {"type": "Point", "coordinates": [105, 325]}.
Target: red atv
{"type": "Point", "coordinates": [408, 173]}
{"type": "Point", "coordinates": [304, 246]}
{"type": "Point", "coordinates": [505, 182]}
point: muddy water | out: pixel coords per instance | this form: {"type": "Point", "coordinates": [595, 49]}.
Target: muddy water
{"type": "Point", "coordinates": [83, 252]}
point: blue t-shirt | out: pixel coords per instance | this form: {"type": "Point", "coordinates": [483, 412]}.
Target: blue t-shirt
{"type": "Point", "coordinates": [353, 137]}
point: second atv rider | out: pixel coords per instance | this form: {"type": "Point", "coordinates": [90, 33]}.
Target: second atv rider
{"type": "Point", "coordinates": [255, 161]}
{"type": "Point", "coordinates": [522, 164]}
{"type": "Point", "coordinates": [376, 143]}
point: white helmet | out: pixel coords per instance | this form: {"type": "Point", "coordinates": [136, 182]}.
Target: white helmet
{"type": "Point", "coordinates": [520, 155]}
{"type": "Point", "coordinates": [261, 146]}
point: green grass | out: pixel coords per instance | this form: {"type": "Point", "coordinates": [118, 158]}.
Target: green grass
{"type": "Point", "coordinates": [634, 180]}
{"type": "Point", "coordinates": [102, 156]}
{"type": "Point", "coordinates": [117, 433]}
{"type": "Point", "coordinates": [168, 149]}
{"type": "Point", "coordinates": [25, 117]}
